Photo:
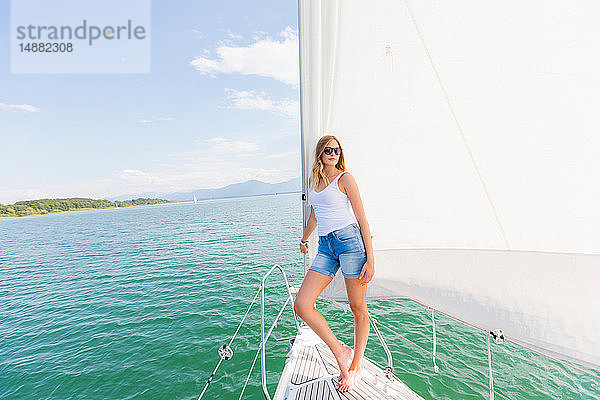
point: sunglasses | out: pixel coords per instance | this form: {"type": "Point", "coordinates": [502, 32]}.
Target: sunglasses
{"type": "Point", "coordinates": [329, 150]}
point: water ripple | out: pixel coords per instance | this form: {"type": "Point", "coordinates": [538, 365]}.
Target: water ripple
{"type": "Point", "coordinates": [133, 303]}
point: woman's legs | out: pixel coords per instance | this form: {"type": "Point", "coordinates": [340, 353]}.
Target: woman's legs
{"type": "Point", "coordinates": [357, 297]}
{"type": "Point", "coordinates": [304, 305]}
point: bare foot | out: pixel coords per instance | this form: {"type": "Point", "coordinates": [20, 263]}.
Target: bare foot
{"type": "Point", "coordinates": [354, 377]}
{"type": "Point", "coordinates": [342, 359]}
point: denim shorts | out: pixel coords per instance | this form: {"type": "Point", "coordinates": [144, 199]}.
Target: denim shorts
{"type": "Point", "coordinates": [343, 248]}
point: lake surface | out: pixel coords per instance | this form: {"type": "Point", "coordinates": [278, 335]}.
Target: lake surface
{"type": "Point", "coordinates": [133, 304]}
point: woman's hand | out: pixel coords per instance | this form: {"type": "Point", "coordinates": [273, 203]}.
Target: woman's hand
{"type": "Point", "coordinates": [367, 272]}
{"type": "Point", "coordinates": [304, 247]}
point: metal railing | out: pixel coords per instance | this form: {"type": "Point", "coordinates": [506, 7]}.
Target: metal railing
{"type": "Point", "coordinates": [389, 369]}
{"type": "Point", "coordinates": [263, 337]}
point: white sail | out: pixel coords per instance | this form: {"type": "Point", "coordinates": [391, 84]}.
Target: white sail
{"type": "Point", "coordinates": [195, 199]}
{"type": "Point", "coordinates": [472, 129]}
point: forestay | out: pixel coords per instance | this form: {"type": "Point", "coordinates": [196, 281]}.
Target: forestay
{"type": "Point", "coordinates": [472, 129]}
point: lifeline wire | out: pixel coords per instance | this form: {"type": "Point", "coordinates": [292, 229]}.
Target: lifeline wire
{"type": "Point", "coordinates": [435, 367]}
{"type": "Point", "coordinates": [231, 341]}
{"type": "Point", "coordinates": [482, 330]}
{"type": "Point", "coordinates": [445, 362]}
{"type": "Point", "coordinates": [513, 341]}
{"type": "Point", "coordinates": [435, 357]}
{"type": "Point", "coordinates": [490, 366]}
{"type": "Point", "coordinates": [250, 372]}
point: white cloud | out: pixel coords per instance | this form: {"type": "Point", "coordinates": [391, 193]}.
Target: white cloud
{"type": "Point", "coordinates": [293, 154]}
{"type": "Point", "coordinates": [196, 32]}
{"type": "Point", "coordinates": [136, 178]}
{"type": "Point", "coordinates": [193, 169]}
{"type": "Point", "coordinates": [233, 35]}
{"type": "Point", "coordinates": [210, 173]}
{"type": "Point", "coordinates": [251, 100]}
{"type": "Point", "coordinates": [222, 145]}
{"type": "Point", "coordinates": [132, 173]}
{"type": "Point", "coordinates": [198, 169]}
{"type": "Point", "coordinates": [18, 108]}
{"type": "Point", "coordinates": [268, 57]}
{"type": "Point", "coordinates": [149, 121]}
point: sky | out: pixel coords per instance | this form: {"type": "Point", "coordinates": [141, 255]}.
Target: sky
{"type": "Point", "coordinates": [220, 106]}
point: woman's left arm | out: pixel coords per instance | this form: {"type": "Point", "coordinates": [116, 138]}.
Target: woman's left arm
{"type": "Point", "coordinates": [351, 188]}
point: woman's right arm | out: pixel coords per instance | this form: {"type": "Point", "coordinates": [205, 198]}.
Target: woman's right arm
{"type": "Point", "coordinates": [311, 224]}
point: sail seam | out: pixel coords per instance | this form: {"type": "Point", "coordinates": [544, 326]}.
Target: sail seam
{"type": "Point", "coordinates": [466, 143]}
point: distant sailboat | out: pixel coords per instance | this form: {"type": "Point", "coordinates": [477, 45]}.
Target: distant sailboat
{"type": "Point", "coordinates": [195, 200]}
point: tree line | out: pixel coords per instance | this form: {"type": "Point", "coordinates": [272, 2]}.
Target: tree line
{"type": "Point", "coordinates": [47, 206]}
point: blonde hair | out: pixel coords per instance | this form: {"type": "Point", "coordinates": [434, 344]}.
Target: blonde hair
{"type": "Point", "coordinates": [316, 172]}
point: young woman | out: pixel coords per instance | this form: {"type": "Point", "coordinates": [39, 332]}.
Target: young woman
{"type": "Point", "coordinates": [344, 242]}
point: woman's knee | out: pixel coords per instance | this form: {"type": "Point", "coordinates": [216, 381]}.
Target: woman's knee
{"type": "Point", "coordinates": [302, 306]}
{"type": "Point", "coordinates": [359, 308]}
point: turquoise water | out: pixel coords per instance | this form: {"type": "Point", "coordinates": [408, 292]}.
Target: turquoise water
{"type": "Point", "coordinates": [133, 303]}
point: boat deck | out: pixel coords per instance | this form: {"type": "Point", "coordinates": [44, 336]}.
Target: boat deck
{"type": "Point", "coordinates": [311, 372]}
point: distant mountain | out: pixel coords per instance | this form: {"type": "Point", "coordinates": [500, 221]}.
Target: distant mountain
{"type": "Point", "coordinates": [248, 188]}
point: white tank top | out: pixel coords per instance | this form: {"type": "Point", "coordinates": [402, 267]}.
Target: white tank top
{"type": "Point", "coordinates": [332, 208]}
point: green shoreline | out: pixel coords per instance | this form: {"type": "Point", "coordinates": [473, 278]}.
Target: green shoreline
{"type": "Point", "coordinates": [88, 209]}
{"type": "Point", "coordinates": [34, 208]}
